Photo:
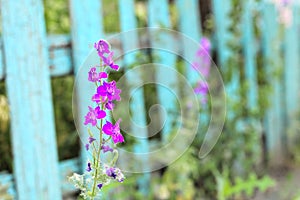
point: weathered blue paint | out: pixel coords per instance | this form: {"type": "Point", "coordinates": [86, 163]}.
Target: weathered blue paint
{"type": "Point", "coordinates": [60, 62]}
{"type": "Point", "coordinates": [292, 69]}
{"type": "Point", "coordinates": [190, 26]}
{"type": "Point", "coordinates": [66, 168]}
{"type": "Point", "coordinates": [221, 10]}
{"type": "Point", "coordinates": [274, 117]}
{"type": "Point", "coordinates": [158, 15]}
{"type": "Point", "coordinates": [29, 94]}
{"type": "Point", "coordinates": [87, 27]}
{"type": "Point", "coordinates": [130, 42]}
{"type": "Point", "coordinates": [60, 55]}
{"type": "Point", "coordinates": [250, 47]}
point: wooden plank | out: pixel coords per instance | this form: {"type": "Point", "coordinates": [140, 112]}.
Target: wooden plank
{"type": "Point", "coordinates": [130, 42]}
{"type": "Point", "coordinates": [189, 24]}
{"type": "Point", "coordinates": [66, 168]}
{"type": "Point", "coordinates": [158, 15]}
{"type": "Point", "coordinates": [29, 94]}
{"type": "Point", "coordinates": [60, 54]}
{"type": "Point", "coordinates": [60, 62]}
{"type": "Point", "coordinates": [292, 70]}
{"type": "Point", "coordinates": [60, 58]}
{"type": "Point", "coordinates": [87, 28]}
{"type": "Point", "coordinates": [274, 117]}
{"type": "Point", "coordinates": [250, 49]}
{"type": "Point", "coordinates": [221, 10]}
{"type": "Point", "coordinates": [292, 67]}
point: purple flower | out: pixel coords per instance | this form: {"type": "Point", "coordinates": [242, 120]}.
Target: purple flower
{"type": "Point", "coordinates": [202, 88]}
{"type": "Point", "coordinates": [88, 169]}
{"type": "Point", "coordinates": [115, 173]}
{"type": "Point", "coordinates": [87, 147]}
{"type": "Point", "coordinates": [103, 75]}
{"type": "Point", "coordinates": [205, 44]}
{"type": "Point", "coordinates": [100, 114]}
{"type": "Point", "coordinates": [109, 90]}
{"type": "Point", "coordinates": [106, 148]}
{"type": "Point", "coordinates": [111, 172]}
{"type": "Point", "coordinates": [109, 105]}
{"type": "Point", "coordinates": [113, 93]}
{"type": "Point", "coordinates": [98, 98]}
{"type": "Point", "coordinates": [91, 140]}
{"type": "Point", "coordinates": [113, 131]}
{"type": "Point", "coordinates": [91, 117]}
{"type": "Point", "coordinates": [109, 61]}
{"type": "Point", "coordinates": [203, 62]}
{"type": "Point", "coordinates": [94, 76]}
{"type": "Point", "coordinates": [202, 68]}
{"type": "Point", "coordinates": [102, 47]}
{"type": "Point", "coordinates": [100, 185]}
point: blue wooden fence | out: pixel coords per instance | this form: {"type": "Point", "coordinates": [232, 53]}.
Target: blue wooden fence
{"type": "Point", "coordinates": [29, 58]}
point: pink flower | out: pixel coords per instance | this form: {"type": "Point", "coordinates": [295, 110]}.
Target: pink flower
{"type": "Point", "coordinates": [102, 47]}
{"type": "Point", "coordinates": [202, 63]}
{"type": "Point", "coordinates": [109, 61]}
{"type": "Point", "coordinates": [94, 76]}
{"type": "Point", "coordinates": [113, 131]}
{"type": "Point", "coordinates": [100, 114]}
{"type": "Point", "coordinates": [109, 90]}
{"type": "Point", "coordinates": [202, 88]}
{"type": "Point", "coordinates": [93, 115]}
{"type": "Point", "coordinates": [109, 105]}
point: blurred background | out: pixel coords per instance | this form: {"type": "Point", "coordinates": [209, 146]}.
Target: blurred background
{"type": "Point", "coordinates": [250, 160]}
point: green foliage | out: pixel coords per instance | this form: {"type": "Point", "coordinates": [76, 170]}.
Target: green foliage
{"type": "Point", "coordinates": [67, 137]}
{"type": "Point", "coordinates": [297, 197]}
{"type": "Point", "coordinates": [111, 16]}
{"type": "Point", "coordinates": [293, 134]}
{"type": "Point", "coordinates": [57, 16]}
{"type": "Point", "coordinates": [178, 179]}
{"type": "Point", "coordinates": [126, 190]}
{"type": "Point", "coordinates": [241, 188]}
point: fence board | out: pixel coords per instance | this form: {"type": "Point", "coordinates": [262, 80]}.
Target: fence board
{"type": "Point", "coordinates": [274, 117]}
{"type": "Point", "coordinates": [158, 17]}
{"type": "Point", "coordinates": [29, 94]}
{"type": "Point", "coordinates": [250, 49]}
{"type": "Point", "coordinates": [292, 70]}
{"type": "Point", "coordinates": [84, 15]}
{"type": "Point", "coordinates": [221, 11]}
{"type": "Point", "coordinates": [130, 42]}
{"type": "Point", "coordinates": [190, 26]}
{"type": "Point", "coordinates": [66, 168]}
{"type": "Point", "coordinates": [60, 58]}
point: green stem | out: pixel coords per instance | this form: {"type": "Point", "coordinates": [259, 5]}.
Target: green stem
{"type": "Point", "coordinates": [98, 159]}
{"type": "Point", "coordinates": [100, 146]}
